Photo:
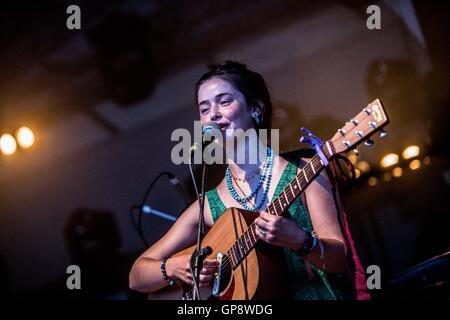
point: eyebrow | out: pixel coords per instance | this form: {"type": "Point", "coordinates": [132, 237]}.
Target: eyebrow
{"type": "Point", "coordinates": [220, 95]}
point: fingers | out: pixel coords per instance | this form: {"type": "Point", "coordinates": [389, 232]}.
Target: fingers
{"type": "Point", "coordinates": [205, 280]}
{"type": "Point", "coordinates": [206, 277]}
{"type": "Point", "coordinates": [264, 235]}
{"type": "Point", "coordinates": [267, 216]}
{"type": "Point", "coordinates": [263, 224]}
{"type": "Point", "coordinates": [187, 278]}
{"type": "Point", "coordinates": [207, 270]}
{"type": "Point", "coordinates": [259, 233]}
{"type": "Point", "coordinates": [206, 273]}
{"type": "Point", "coordinates": [210, 263]}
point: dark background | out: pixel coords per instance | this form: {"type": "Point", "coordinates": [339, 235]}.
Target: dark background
{"type": "Point", "coordinates": [104, 100]}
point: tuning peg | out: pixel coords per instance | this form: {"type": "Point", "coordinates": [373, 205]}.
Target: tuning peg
{"type": "Point", "coordinates": [383, 133]}
{"type": "Point", "coordinates": [369, 142]}
{"type": "Point", "coordinates": [356, 151]}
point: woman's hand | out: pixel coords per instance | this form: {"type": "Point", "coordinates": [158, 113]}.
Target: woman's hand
{"type": "Point", "coordinates": [279, 231]}
{"type": "Point", "coordinates": [178, 268]}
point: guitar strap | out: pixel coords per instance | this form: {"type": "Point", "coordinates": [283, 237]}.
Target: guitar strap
{"type": "Point", "coordinates": [357, 274]}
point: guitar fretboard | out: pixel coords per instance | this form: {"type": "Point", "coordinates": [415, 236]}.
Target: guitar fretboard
{"type": "Point", "coordinates": [239, 250]}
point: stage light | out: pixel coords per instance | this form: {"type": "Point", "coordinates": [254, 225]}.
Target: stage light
{"type": "Point", "coordinates": [372, 181]}
{"type": "Point", "coordinates": [25, 137]}
{"type": "Point", "coordinates": [411, 152]}
{"type": "Point", "coordinates": [387, 176]}
{"type": "Point", "coordinates": [353, 158]}
{"type": "Point", "coordinates": [8, 144]}
{"type": "Point", "coordinates": [389, 160]}
{"type": "Point", "coordinates": [415, 164]}
{"type": "Point", "coordinates": [363, 166]}
{"type": "Point", "coordinates": [357, 173]}
{"type": "Point", "coordinates": [397, 172]}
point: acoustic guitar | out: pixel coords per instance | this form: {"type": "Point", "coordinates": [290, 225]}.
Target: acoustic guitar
{"type": "Point", "coordinates": [252, 269]}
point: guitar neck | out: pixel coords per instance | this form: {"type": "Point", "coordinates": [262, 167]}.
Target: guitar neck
{"type": "Point", "coordinates": [298, 185]}
{"type": "Point", "coordinates": [239, 250]}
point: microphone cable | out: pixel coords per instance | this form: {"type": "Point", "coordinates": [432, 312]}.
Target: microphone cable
{"type": "Point", "coordinates": [138, 225]}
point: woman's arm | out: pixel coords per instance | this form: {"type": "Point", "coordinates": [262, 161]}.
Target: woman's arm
{"type": "Point", "coordinates": [284, 232]}
{"type": "Point", "coordinates": [324, 217]}
{"type": "Point", "coordinates": [145, 274]}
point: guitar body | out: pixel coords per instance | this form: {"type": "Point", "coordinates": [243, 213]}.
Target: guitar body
{"type": "Point", "coordinates": [260, 275]}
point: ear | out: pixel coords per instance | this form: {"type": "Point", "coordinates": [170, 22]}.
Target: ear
{"type": "Point", "coordinates": [257, 109]}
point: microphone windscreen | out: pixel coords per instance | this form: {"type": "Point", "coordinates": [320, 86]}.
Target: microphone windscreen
{"type": "Point", "coordinates": [208, 130]}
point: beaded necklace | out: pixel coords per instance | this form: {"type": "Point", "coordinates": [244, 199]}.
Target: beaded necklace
{"type": "Point", "coordinates": [264, 182]}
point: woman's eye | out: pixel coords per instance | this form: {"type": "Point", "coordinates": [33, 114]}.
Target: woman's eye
{"type": "Point", "coordinates": [225, 101]}
{"type": "Point", "coordinates": [204, 110]}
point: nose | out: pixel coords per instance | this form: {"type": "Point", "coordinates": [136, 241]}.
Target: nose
{"type": "Point", "coordinates": [215, 113]}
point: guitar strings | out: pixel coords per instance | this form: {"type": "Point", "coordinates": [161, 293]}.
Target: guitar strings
{"type": "Point", "coordinates": [227, 265]}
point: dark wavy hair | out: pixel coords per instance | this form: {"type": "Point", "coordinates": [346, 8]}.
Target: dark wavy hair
{"type": "Point", "coordinates": [249, 83]}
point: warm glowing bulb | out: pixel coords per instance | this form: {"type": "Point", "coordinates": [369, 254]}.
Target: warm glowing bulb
{"type": "Point", "coordinates": [387, 176]}
{"type": "Point", "coordinates": [415, 164]}
{"type": "Point", "coordinates": [411, 152]}
{"type": "Point", "coordinates": [389, 160]}
{"type": "Point", "coordinates": [363, 166]}
{"type": "Point", "coordinates": [357, 173]}
{"type": "Point", "coordinates": [397, 172]}
{"type": "Point", "coordinates": [25, 137]}
{"type": "Point", "coordinates": [8, 144]}
{"type": "Point", "coordinates": [353, 158]}
{"type": "Point", "coordinates": [372, 181]}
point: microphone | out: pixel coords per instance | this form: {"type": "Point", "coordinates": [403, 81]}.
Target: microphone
{"type": "Point", "coordinates": [206, 251]}
{"type": "Point", "coordinates": [149, 210]}
{"type": "Point", "coordinates": [177, 185]}
{"type": "Point", "coordinates": [208, 131]}
{"type": "Point", "coordinates": [207, 135]}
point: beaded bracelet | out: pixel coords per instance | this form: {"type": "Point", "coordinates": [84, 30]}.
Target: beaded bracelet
{"type": "Point", "coordinates": [309, 244]}
{"type": "Point", "coordinates": [163, 271]}
{"type": "Point", "coordinates": [321, 250]}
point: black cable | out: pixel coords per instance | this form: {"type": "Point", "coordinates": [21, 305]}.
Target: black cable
{"type": "Point", "coordinates": [131, 213]}
{"type": "Point", "coordinates": [138, 224]}
{"type": "Point", "coordinates": [350, 167]}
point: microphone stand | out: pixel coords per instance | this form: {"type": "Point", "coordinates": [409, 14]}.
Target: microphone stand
{"type": "Point", "coordinates": [199, 254]}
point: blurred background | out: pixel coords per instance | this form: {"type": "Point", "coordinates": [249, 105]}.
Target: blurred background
{"type": "Point", "coordinates": [99, 105]}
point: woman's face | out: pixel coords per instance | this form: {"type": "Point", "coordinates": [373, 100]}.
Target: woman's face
{"type": "Point", "coordinates": [219, 101]}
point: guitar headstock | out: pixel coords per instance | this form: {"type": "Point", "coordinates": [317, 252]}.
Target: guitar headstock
{"type": "Point", "coordinates": [370, 120]}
